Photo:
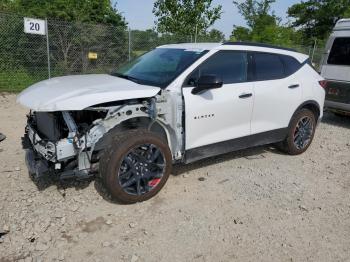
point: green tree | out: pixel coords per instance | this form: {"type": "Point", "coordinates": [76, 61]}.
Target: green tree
{"type": "Point", "coordinates": [144, 40]}
{"type": "Point", "coordinates": [316, 18]}
{"type": "Point", "coordinates": [263, 25]}
{"type": "Point", "coordinates": [6, 5]}
{"type": "Point", "coordinates": [215, 35]}
{"type": "Point", "coordinates": [257, 13]}
{"type": "Point", "coordinates": [241, 33]}
{"type": "Point", "coordinates": [97, 11]}
{"type": "Point", "coordinates": [75, 29]}
{"type": "Point", "coordinates": [185, 17]}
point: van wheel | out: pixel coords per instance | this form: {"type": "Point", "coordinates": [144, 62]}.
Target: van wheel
{"type": "Point", "coordinates": [300, 133]}
{"type": "Point", "coordinates": [135, 166]}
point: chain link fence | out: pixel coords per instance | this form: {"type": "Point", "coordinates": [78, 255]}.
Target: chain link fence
{"type": "Point", "coordinates": [72, 48]}
{"type": "Point", "coordinates": [75, 48]}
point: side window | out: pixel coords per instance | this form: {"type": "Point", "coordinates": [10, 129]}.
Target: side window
{"type": "Point", "coordinates": [231, 66]}
{"type": "Point", "coordinates": [268, 67]}
{"type": "Point", "coordinates": [340, 52]}
{"type": "Point", "coordinates": [291, 65]}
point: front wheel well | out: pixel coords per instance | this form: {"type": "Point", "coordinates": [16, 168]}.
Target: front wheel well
{"type": "Point", "coordinates": [132, 124]}
{"type": "Point", "coordinates": [145, 123]}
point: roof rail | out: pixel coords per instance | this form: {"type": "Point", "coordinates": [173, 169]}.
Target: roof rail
{"type": "Point", "coordinates": [259, 45]}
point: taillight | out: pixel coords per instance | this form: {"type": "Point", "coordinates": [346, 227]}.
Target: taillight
{"type": "Point", "coordinates": [323, 83]}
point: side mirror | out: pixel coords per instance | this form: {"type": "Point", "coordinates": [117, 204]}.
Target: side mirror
{"type": "Point", "coordinates": [207, 82]}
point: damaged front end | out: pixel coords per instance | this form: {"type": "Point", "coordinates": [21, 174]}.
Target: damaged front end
{"type": "Point", "coordinates": [53, 143]}
{"type": "Point", "coordinates": [69, 143]}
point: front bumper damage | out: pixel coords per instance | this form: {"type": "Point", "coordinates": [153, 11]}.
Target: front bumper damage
{"type": "Point", "coordinates": [76, 151]}
{"type": "Point", "coordinates": [62, 158]}
{"type": "Point", "coordinates": [35, 165]}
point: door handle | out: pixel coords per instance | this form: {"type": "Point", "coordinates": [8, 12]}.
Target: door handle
{"type": "Point", "coordinates": [246, 95]}
{"type": "Point", "coordinates": [294, 86]}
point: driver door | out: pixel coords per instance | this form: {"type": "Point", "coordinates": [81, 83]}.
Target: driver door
{"type": "Point", "coordinates": [221, 114]}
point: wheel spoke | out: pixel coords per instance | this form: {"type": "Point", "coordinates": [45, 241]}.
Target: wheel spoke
{"type": "Point", "coordinates": [307, 122]}
{"type": "Point", "coordinates": [130, 182]}
{"type": "Point", "coordinates": [149, 152]}
{"type": "Point", "coordinates": [128, 161]}
{"type": "Point", "coordinates": [296, 136]}
{"type": "Point", "coordinates": [126, 174]}
{"type": "Point", "coordinates": [155, 155]}
{"type": "Point", "coordinates": [156, 165]}
{"type": "Point", "coordinates": [139, 157]}
{"type": "Point", "coordinates": [299, 142]}
{"type": "Point", "coordinates": [151, 175]}
{"type": "Point", "coordinates": [138, 187]}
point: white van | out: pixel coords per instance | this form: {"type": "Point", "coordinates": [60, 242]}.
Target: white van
{"type": "Point", "coordinates": [335, 68]}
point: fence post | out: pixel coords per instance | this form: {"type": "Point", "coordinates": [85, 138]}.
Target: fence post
{"type": "Point", "coordinates": [48, 49]}
{"type": "Point", "coordinates": [313, 51]}
{"type": "Point", "coordinates": [195, 36]}
{"type": "Point", "coordinates": [129, 44]}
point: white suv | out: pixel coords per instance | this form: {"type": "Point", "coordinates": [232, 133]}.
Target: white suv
{"type": "Point", "coordinates": [177, 103]}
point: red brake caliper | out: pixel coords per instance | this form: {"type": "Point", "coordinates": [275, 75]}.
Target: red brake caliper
{"type": "Point", "coordinates": [154, 182]}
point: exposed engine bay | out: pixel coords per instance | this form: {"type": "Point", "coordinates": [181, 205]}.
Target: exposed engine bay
{"type": "Point", "coordinates": [69, 142]}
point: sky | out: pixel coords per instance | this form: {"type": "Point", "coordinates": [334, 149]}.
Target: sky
{"type": "Point", "coordinates": [138, 13]}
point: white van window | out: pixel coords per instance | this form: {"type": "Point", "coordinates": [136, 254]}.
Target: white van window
{"type": "Point", "coordinates": [340, 53]}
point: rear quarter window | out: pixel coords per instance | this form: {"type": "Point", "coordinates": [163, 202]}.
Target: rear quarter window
{"type": "Point", "coordinates": [340, 52]}
{"type": "Point", "coordinates": [291, 65]}
{"type": "Point", "coordinates": [268, 67]}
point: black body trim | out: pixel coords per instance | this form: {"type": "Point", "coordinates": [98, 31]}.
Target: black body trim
{"type": "Point", "coordinates": [293, 86]}
{"type": "Point", "coordinates": [306, 103]}
{"type": "Point", "coordinates": [309, 102]}
{"type": "Point", "coordinates": [259, 45]}
{"type": "Point", "coordinates": [219, 148]}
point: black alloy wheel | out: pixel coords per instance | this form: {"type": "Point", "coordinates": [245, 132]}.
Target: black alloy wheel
{"type": "Point", "coordinates": [142, 169]}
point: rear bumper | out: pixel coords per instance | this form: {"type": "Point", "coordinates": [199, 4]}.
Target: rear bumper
{"type": "Point", "coordinates": [337, 105]}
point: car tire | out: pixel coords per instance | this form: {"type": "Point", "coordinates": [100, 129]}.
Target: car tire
{"type": "Point", "coordinates": [301, 132]}
{"type": "Point", "coordinates": [135, 166]}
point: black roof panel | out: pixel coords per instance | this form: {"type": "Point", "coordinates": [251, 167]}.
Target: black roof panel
{"type": "Point", "coordinates": [259, 45]}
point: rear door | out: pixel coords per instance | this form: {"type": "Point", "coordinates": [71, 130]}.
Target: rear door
{"type": "Point", "coordinates": [277, 92]}
{"type": "Point", "coordinates": [219, 114]}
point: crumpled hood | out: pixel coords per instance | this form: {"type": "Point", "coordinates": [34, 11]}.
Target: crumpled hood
{"type": "Point", "coordinates": [71, 93]}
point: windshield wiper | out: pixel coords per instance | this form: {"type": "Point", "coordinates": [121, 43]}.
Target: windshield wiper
{"type": "Point", "coordinates": [126, 77]}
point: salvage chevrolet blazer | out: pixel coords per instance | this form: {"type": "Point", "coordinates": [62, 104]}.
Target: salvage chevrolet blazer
{"type": "Point", "coordinates": [177, 103]}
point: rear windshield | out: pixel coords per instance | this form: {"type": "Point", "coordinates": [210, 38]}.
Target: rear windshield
{"type": "Point", "coordinates": [340, 52]}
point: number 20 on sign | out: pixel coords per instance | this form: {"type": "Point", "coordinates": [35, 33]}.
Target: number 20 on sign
{"type": "Point", "coordinates": [34, 26]}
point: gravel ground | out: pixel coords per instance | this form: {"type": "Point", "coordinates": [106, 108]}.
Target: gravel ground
{"type": "Point", "coordinates": [252, 205]}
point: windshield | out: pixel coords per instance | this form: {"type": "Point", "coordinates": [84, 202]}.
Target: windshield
{"type": "Point", "coordinates": [160, 66]}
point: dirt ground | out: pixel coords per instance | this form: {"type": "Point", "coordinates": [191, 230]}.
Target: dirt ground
{"type": "Point", "coordinates": [252, 205]}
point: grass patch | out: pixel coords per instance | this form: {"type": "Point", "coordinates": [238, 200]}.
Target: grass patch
{"type": "Point", "coordinates": [19, 79]}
